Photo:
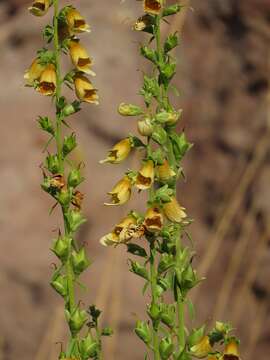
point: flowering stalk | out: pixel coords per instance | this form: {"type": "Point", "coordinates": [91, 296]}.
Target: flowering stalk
{"type": "Point", "coordinates": [61, 177]}
{"type": "Point", "coordinates": [166, 265]}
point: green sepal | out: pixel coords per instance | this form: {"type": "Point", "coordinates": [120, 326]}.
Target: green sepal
{"type": "Point", "coordinates": [136, 250]}
{"type": "Point", "coordinates": [136, 142]}
{"type": "Point", "coordinates": [53, 164]}
{"type": "Point", "coordinates": [180, 145]}
{"type": "Point", "coordinates": [171, 42]}
{"type": "Point", "coordinates": [88, 347]}
{"type": "Point", "coordinates": [153, 312]}
{"type": "Point", "coordinates": [157, 156]}
{"type": "Point", "coordinates": [167, 71]}
{"type": "Point", "coordinates": [74, 220]}
{"type": "Point", "coordinates": [171, 10]}
{"type": "Point", "coordinates": [69, 144]}
{"type": "Point", "coordinates": [166, 348]}
{"type": "Point", "coordinates": [107, 331]}
{"type": "Point", "coordinates": [129, 110]}
{"type": "Point", "coordinates": [59, 284]}
{"type": "Point", "coordinates": [80, 261]}
{"type": "Point", "coordinates": [143, 331]}
{"type": "Point", "coordinates": [61, 247]}
{"type": "Point", "coordinates": [168, 315]}
{"type": "Point", "coordinates": [75, 178]}
{"type": "Point", "coordinates": [150, 89]}
{"type": "Point", "coordinates": [46, 124]}
{"type": "Point", "coordinates": [71, 109]}
{"type": "Point", "coordinates": [64, 197]}
{"type": "Point", "coordinates": [195, 336]}
{"type": "Point", "coordinates": [163, 194]}
{"type": "Point", "coordinates": [166, 262]}
{"type": "Point", "coordinates": [139, 269]}
{"type": "Point", "coordinates": [159, 135]}
{"type": "Point", "coordinates": [48, 33]}
{"type": "Point", "coordinates": [76, 319]}
{"type": "Point", "coordinates": [45, 56]}
{"type": "Point", "coordinates": [149, 54]}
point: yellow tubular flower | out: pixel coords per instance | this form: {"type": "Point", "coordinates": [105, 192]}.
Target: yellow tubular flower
{"type": "Point", "coordinates": [152, 6]}
{"type": "Point", "coordinates": [174, 211]}
{"type": "Point", "coordinates": [145, 127]}
{"type": "Point", "coordinates": [39, 7]}
{"type": "Point", "coordinates": [153, 219]}
{"type": "Point", "coordinates": [47, 83]}
{"type": "Point", "coordinates": [202, 349]}
{"type": "Point", "coordinates": [76, 22]}
{"type": "Point", "coordinates": [145, 177]}
{"type": "Point", "coordinates": [214, 357]}
{"type": "Point", "coordinates": [123, 232]}
{"type": "Point", "coordinates": [165, 172]}
{"type": "Point", "coordinates": [121, 193]}
{"type": "Point", "coordinates": [142, 23]}
{"type": "Point", "coordinates": [118, 153]}
{"type": "Point", "coordinates": [85, 90]}
{"type": "Point", "coordinates": [80, 58]}
{"type": "Point", "coordinates": [34, 72]}
{"type": "Point", "coordinates": [231, 350]}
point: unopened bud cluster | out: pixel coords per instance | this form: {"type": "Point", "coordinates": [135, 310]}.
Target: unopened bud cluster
{"type": "Point", "coordinates": [61, 177]}
{"type": "Point", "coordinates": [166, 263]}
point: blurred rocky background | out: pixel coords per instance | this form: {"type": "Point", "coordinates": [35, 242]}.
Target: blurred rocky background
{"type": "Point", "coordinates": [223, 77]}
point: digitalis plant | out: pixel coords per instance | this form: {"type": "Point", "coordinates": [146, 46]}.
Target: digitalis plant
{"type": "Point", "coordinates": [61, 177]}
{"type": "Point", "coordinates": [166, 259]}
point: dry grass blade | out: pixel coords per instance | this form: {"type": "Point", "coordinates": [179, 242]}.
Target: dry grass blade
{"type": "Point", "coordinates": [233, 266]}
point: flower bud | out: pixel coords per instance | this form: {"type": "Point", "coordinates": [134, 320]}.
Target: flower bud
{"type": "Point", "coordinates": [46, 124]}
{"type": "Point", "coordinates": [169, 118]}
{"type": "Point", "coordinates": [52, 164]}
{"type": "Point", "coordinates": [71, 109]}
{"type": "Point", "coordinates": [107, 331]}
{"type": "Point", "coordinates": [64, 197]}
{"type": "Point", "coordinates": [80, 58]}
{"type": "Point", "coordinates": [59, 283]}
{"type": "Point", "coordinates": [129, 110]}
{"type": "Point", "coordinates": [166, 348]}
{"type": "Point", "coordinates": [145, 177]}
{"type": "Point", "coordinates": [88, 347]}
{"type": "Point", "coordinates": [75, 178]}
{"type": "Point", "coordinates": [85, 90]}
{"type": "Point", "coordinates": [76, 319]}
{"type": "Point", "coordinates": [165, 172]}
{"type": "Point", "coordinates": [202, 348]}
{"type": "Point", "coordinates": [118, 153]}
{"type": "Point", "coordinates": [153, 219]}
{"type": "Point", "coordinates": [47, 83]}
{"type": "Point", "coordinates": [145, 127]}
{"type": "Point", "coordinates": [143, 332]}
{"type": "Point", "coordinates": [61, 247]}
{"type": "Point", "coordinates": [69, 144]}
{"type": "Point", "coordinates": [159, 135]}
{"type": "Point", "coordinates": [171, 10]}
{"type": "Point", "coordinates": [154, 312]}
{"type": "Point", "coordinates": [76, 22]}
{"type": "Point", "coordinates": [168, 314]}
{"type": "Point", "coordinates": [174, 211]}
{"type": "Point", "coordinates": [139, 270]}
{"type": "Point", "coordinates": [231, 349]}
{"type": "Point", "coordinates": [152, 6]}
{"type": "Point", "coordinates": [39, 7]}
{"type": "Point", "coordinates": [34, 72]}
{"type": "Point", "coordinates": [80, 261]}
{"type": "Point", "coordinates": [74, 220]}
{"type": "Point", "coordinates": [121, 192]}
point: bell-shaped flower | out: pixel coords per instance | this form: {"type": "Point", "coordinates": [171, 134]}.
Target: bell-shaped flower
{"type": "Point", "coordinates": [39, 7]}
{"type": "Point", "coordinates": [174, 211]}
{"type": "Point", "coordinates": [47, 82]}
{"type": "Point", "coordinates": [153, 219]}
{"type": "Point", "coordinates": [76, 22]}
{"type": "Point", "coordinates": [152, 7]}
{"type": "Point", "coordinates": [145, 176]}
{"type": "Point", "coordinates": [231, 349]}
{"type": "Point", "coordinates": [202, 348]}
{"type": "Point", "coordinates": [165, 172]}
{"type": "Point", "coordinates": [80, 58]}
{"type": "Point", "coordinates": [118, 153]}
{"type": "Point", "coordinates": [121, 192]}
{"type": "Point", "coordinates": [85, 90]}
{"type": "Point", "coordinates": [34, 72]}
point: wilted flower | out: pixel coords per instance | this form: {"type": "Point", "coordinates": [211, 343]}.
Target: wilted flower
{"type": "Point", "coordinates": [127, 229]}
{"type": "Point", "coordinates": [165, 172]}
{"type": "Point", "coordinates": [152, 6]}
{"type": "Point", "coordinates": [153, 219]}
{"type": "Point", "coordinates": [118, 153]}
{"type": "Point", "coordinates": [80, 58]}
{"type": "Point", "coordinates": [145, 176]}
{"type": "Point", "coordinates": [174, 211]}
{"type": "Point", "coordinates": [143, 22]}
{"type": "Point", "coordinates": [231, 350]}
{"type": "Point", "coordinates": [121, 193]}
{"type": "Point", "coordinates": [85, 90]}
{"type": "Point", "coordinates": [77, 199]}
{"type": "Point", "coordinates": [202, 349]}
{"type": "Point", "coordinates": [39, 7]}
{"type": "Point", "coordinates": [57, 181]}
{"type": "Point", "coordinates": [76, 22]}
{"type": "Point", "coordinates": [47, 83]}
{"type": "Point", "coordinates": [34, 72]}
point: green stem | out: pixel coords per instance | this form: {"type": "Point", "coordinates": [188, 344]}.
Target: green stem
{"type": "Point", "coordinates": [180, 307]}
{"type": "Point", "coordinates": [153, 279]}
